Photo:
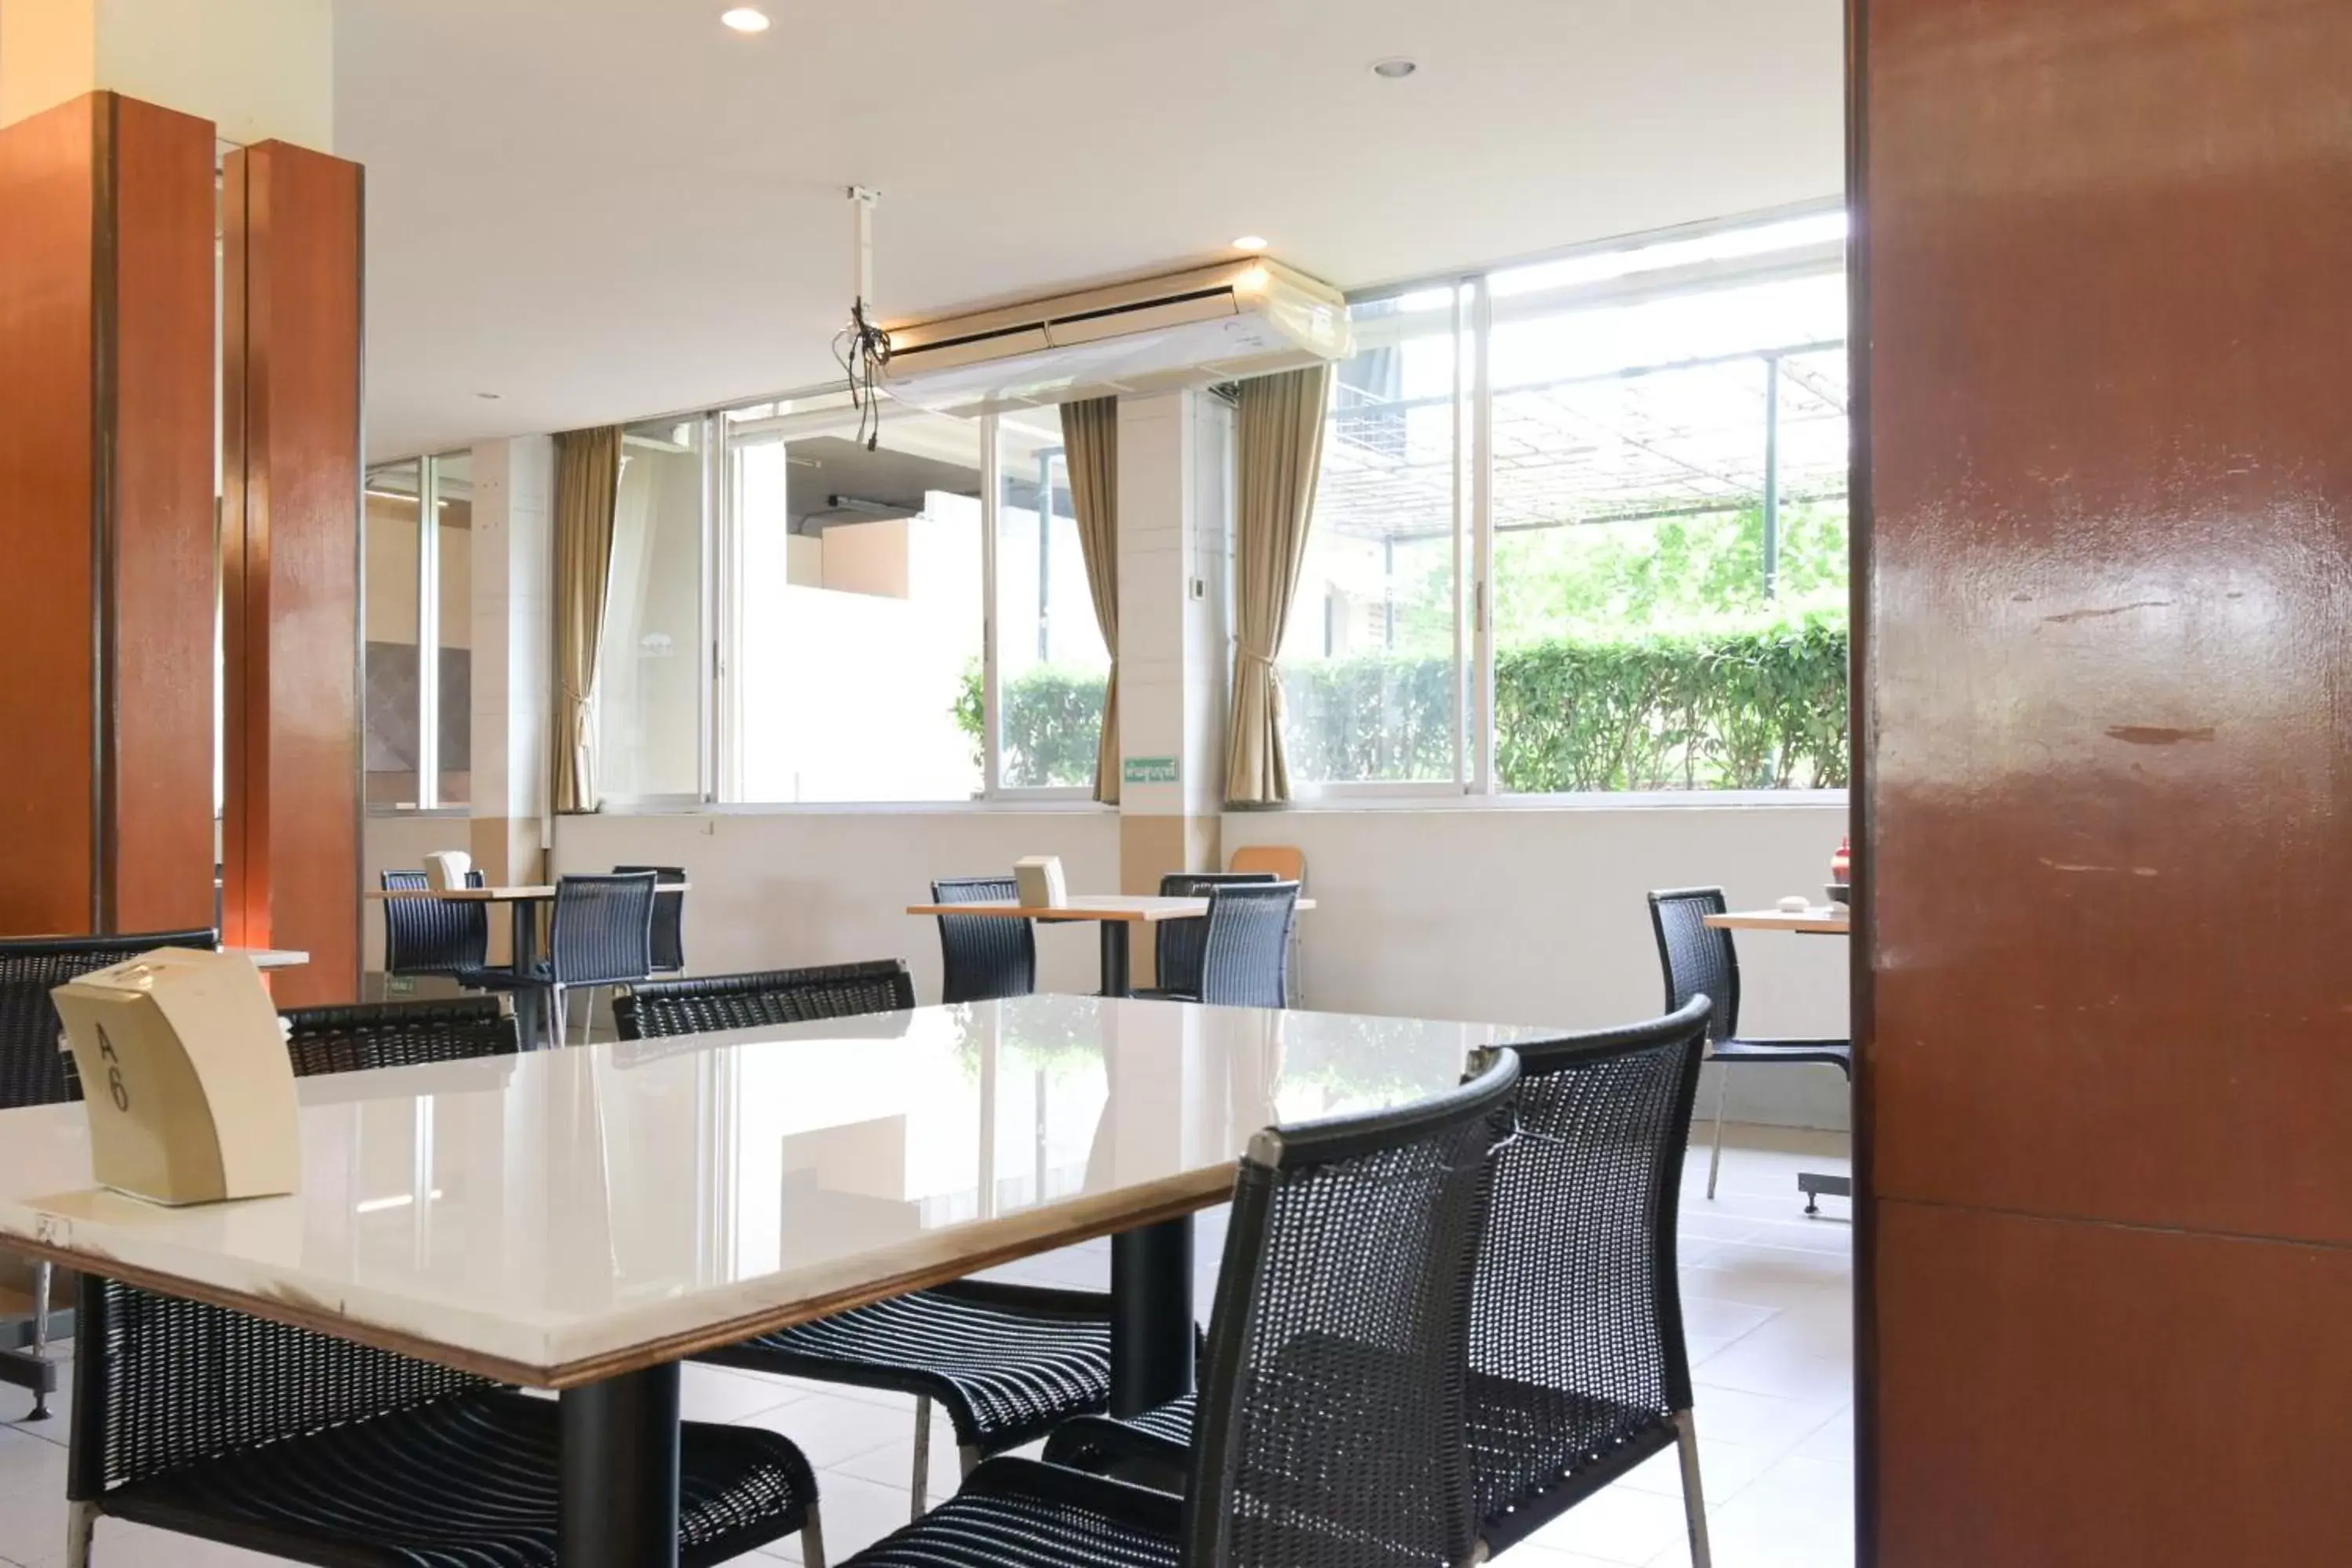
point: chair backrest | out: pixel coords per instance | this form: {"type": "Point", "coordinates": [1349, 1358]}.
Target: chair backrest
{"type": "Point", "coordinates": [33, 1070]}
{"type": "Point", "coordinates": [1698, 960]}
{"type": "Point", "coordinates": [1332, 1419]}
{"type": "Point", "coordinates": [755, 1001]}
{"type": "Point", "coordinates": [1576, 1336]}
{"type": "Point", "coordinates": [139, 1354]}
{"type": "Point", "coordinates": [1245, 954]}
{"type": "Point", "coordinates": [669, 917]}
{"type": "Point", "coordinates": [434, 936]}
{"type": "Point", "coordinates": [1282, 862]}
{"type": "Point", "coordinates": [983, 957]}
{"type": "Point", "coordinates": [1177, 945]}
{"type": "Point", "coordinates": [397, 1033]}
{"type": "Point", "coordinates": [602, 932]}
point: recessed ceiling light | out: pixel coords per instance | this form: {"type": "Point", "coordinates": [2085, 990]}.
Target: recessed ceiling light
{"type": "Point", "coordinates": [745, 19]}
{"type": "Point", "coordinates": [1250, 242]}
{"type": "Point", "coordinates": [1394, 69]}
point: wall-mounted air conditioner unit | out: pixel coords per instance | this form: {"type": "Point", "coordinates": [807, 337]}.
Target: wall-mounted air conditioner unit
{"type": "Point", "coordinates": [1223, 323]}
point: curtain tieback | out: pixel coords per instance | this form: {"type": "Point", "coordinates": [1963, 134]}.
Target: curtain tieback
{"type": "Point", "coordinates": [1274, 701]}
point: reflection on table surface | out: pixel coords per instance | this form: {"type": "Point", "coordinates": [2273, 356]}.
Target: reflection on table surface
{"type": "Point", "coordinates": [561, 1204]}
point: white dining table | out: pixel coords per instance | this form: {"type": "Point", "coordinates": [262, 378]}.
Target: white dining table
{"type": "Point", "coordinates": [581, 1219]}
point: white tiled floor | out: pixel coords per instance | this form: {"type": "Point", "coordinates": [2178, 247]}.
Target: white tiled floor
{"type": "Point", "coordinates": [1764, 1298]}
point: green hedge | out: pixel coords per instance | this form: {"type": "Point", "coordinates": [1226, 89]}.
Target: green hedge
{"type": "Point", "coordinates": [1053, 718]}
{"type": "Point", "coordinates": [1738, 706]}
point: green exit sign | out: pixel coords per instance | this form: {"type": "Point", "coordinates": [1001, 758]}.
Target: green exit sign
{"type": "Point", "coordinates": [1149, 770]}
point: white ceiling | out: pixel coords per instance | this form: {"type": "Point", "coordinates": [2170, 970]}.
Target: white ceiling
{"type": "Point", "coordinates": [607, 208]}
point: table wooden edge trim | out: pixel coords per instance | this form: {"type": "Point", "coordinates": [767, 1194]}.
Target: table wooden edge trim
{"type": "Point", "coordinates": [1773, 920]}
{"type": "Point", "coordinates": [1076, 914]}
{"type": "Point", "coordinates": [1172, 1199]}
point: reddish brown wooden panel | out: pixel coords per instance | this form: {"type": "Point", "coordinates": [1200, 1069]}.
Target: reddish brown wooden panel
{"type": "Point", "coordinates": [2057, 1394]}
{"type": "Point", "coordinates": [2112, 462]}
{"type": "Point", "coordinates": [290, 563]}
{"type": "Point", "coordinates": [160, 772]}
{"type": "Point", "coordinates": [49, 186]}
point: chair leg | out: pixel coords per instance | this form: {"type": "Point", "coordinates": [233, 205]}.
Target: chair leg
{"type": "Point", "coordinates": [82, 1524]}
{"type": "Point", "coordinates": [1715, 1160]}
{"type": "Point", "coordinates": [813, 1541]}
{"type": "Point", "coordinates": [44, 1278]}
{"type": "Point", "coordinates": [918, 1494]}
{"type": "Point", "coordinates": [1694, 1494]}
{"type": "Point", "coordinates": [557, 1025]}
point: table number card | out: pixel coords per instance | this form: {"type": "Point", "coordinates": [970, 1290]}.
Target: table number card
{"type": "Point", "coordinates": [184, 1069]}
{"type": "Point", "coordinates": [1039, 881]}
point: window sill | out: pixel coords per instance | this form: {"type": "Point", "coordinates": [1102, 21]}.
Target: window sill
{"type": "Point", "coordinates": [1009, 808]}
{"type": "Point", "coordinates": [1628, 800]}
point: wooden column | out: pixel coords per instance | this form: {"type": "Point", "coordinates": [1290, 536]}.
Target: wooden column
{"type": "Point", "coordinates": [290, 543]}
{"type": "Point", "coordinates": [2104, 334]}
{"type": "Point", "coordinates": [106, 519]}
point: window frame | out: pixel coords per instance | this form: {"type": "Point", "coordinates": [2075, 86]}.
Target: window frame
{"type": "Point", "coordinates": [1476, 780]}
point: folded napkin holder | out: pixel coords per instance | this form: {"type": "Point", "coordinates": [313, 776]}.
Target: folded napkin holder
{"type": "Point", "coordinates": [1038, 879]}
{"type": "Point", "coordinates": [186, 1079]}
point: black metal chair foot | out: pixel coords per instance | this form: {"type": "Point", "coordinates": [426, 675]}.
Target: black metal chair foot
{"type": "Point", "coordinates": [40, 1409]}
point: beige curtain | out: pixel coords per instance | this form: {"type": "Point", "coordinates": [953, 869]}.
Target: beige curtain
{"type": "Point", "coordinates": [1091, 443]}
{"type": "Point", "coordinates": [1280, 453]}
{"type": "Point", "coordinates": [587, 485]}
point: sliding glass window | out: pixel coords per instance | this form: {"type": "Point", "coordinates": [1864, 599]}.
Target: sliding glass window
{"type": "Point", "coordinates": [1635, 457]}
{"type": "Point", "coordinates": [651, 667]}
{"type": "Point", "coordinates": [854, 582]}
{"type": "Point", "coordinates": [1051, 666]}
{"type": "Point", "coordinates": [1371, 659]}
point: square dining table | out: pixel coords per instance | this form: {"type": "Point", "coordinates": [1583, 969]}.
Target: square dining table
{"type": "Point", "coordinates": [1117, 913]}
{"type": "Point", "coordinates": [524, 899]}
{"type": "Point", "coordinates": [581, 1219]}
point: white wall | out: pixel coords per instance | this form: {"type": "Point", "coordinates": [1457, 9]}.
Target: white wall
{"type": "Point", "coordinates": [1508, 916]}
{"type": "Point", "coordinates": [814, 887]}
{"type": "Point", "coordinates": [1539, 916]}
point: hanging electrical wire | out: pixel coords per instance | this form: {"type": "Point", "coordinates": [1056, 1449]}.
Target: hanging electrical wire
{"type": "Point", "coordinates": [862, 347]}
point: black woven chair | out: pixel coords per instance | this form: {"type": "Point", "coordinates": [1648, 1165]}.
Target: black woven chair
{"type": "Point", "coordinates": [1579, 1369]}
{"type": "Point", "coordinates": [335, 1454]}
{"type": "Point", "coordinates": [1700, 960]}
{"type": "Point", "coordinates": [1246, 952]}
{"type": "Point", "coordinates": [397, 1033]}
{"type": "Point", "coordinates": [1177, 945]}
{"type": "Point", "coordinates": [669, 917]}
{"type": "Point", "coordinates": [1331, 1410]}
{"type": "Point", "coordinates": [602, 934]}
{"type": "Point", "coordinates": [983, 958]}
{"type": "Point", "coordinates": [447, 937]}
{"type": "Point", "coordinates": [1009, 1362]}
{"type": "Point", "coordinates": [36, 1070]}
{"type": "Point", "coordinates": [757, 1001]}
{"type": "Point", "coordinates": [338, 1454]}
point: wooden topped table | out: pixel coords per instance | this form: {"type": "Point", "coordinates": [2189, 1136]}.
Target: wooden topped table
{"type": "Point", "coordinates": [581, 1219]}
{"type": "Point", "coordinates": [1822, 919]}
{"type": "Point", "coordinates": [525, 899]}
{"type": "Point", "coordinates": [1116, 911]}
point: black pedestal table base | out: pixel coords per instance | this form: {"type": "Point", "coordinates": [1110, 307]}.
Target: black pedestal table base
{"type": "Point", "coordinates": [619, 1472]}
{"type": "Point", "coordinates": [1150, 1315]}
{"type": "Point", "coordinates": [1115, 971]}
